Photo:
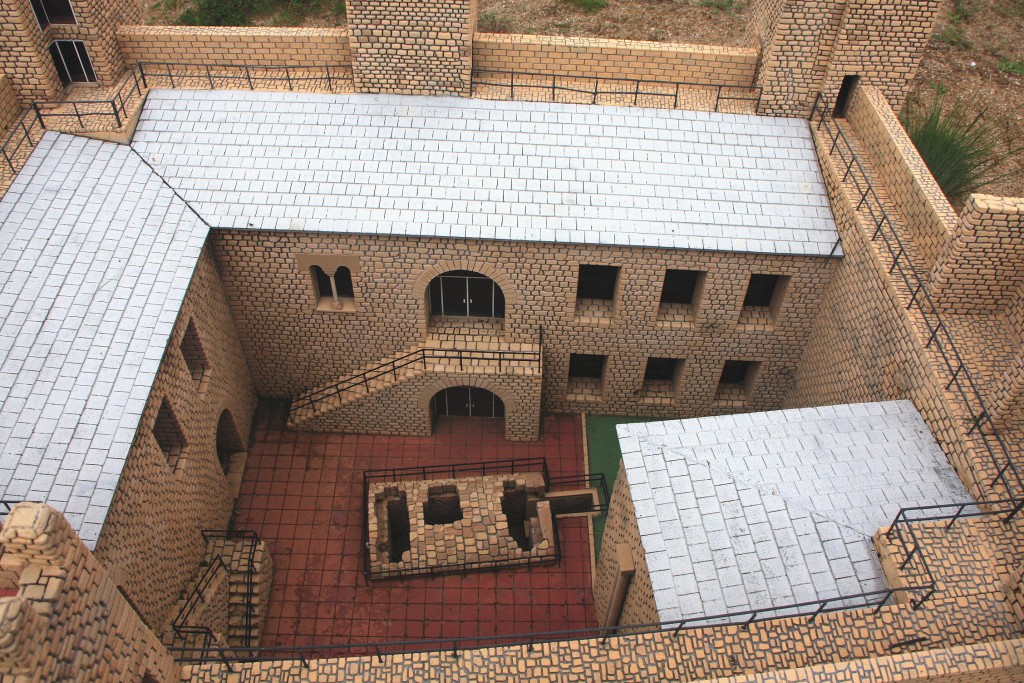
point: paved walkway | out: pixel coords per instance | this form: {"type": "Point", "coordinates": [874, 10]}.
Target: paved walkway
{"type": "Point", "coordinates": [303, 493]}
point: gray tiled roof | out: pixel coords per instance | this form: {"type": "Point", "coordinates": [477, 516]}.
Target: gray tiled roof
{"type": "Point", "coordinates": [755, 510]}
{"type": "Point", "coordinates": [388, 164]}
{"type": "Point", "coordinates": [96, 256]}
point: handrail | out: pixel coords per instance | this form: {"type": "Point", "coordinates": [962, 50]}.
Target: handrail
{"type": "Point", "coordinates": [938, 333]}
{"type": "Point", "coordinates": [901, 526]}
{"type": "Point", "coordinates": [593, 480]}
{"type": "Point", "coordinates": [553, 87]}
{"type": "Point", "coordinates": [875, 600]}
{"type": "Point", "coordinates": [250, 573]}
{"type": "Point", "coordinates": [182, 629]}
{"type": "Point", "coordinates": [21, 133]}
{"type": "Point", "coordinates": [421, 355]}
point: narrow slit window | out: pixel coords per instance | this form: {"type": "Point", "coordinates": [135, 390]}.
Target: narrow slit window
{"type": "Point", "coordinates": [845, 94]}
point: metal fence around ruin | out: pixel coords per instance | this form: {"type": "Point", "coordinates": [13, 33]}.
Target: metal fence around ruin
{"type": "Point", "coordinates": [253, 540]}
{"type": "Point", "coordinates": [453, 471]}
{"type": "Point", "coordinates": [939, 337]}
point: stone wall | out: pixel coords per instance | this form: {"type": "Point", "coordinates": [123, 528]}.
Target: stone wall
{"type": "Point", "coordinates": [864, 345]}
{"type": "Point", "coordinates": [23, 53]}
{"type": "Point", "coordinates": [909, 184]}
{"type": "Point", "coordinates": [595, 57]}
{"type": "Point", "coordinates": [413, 48]}
{"type": "Point", "coordinates": [97, 25]}
{"type": "Point", "coordinates": [621, 528]}
{"type": "Point", "coordinates": [293, 346]}
{"type": "Point", "coordinates": [151, 541]}
{"type": "Point", "coordinates": [809, 47]}
{"type": "Point", "coordinates": [69, 621]}
{"type": "Point", "coordinates": [10, 107]}
{"type": "Point", "coordinates": [260, 46]}
{"type": "Point", "coordinates": [982, 266]}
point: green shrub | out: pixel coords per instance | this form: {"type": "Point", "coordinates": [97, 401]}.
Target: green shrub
{"type": "Point", "coordinates": [959, 148]}
{"type": "Point", "coordinates": [727, 6]}
{"type": "Point", "coordinates": [591, 5]}
{"type": "Point", "coordinates": [953, 34]}
{"type": "Point", "coordinates": [1011, 67]}
{"type": "Point", "coordinates": [490, 22]}
{"type": "Point", "coordinates": [217, 13]}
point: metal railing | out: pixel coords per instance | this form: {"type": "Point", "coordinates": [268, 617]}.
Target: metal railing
{"type": "Point", "coordinates": [902, 528]}
{"type": "Point", "coordinates": [189, 633]}
{"type": "Point", "coordinates": [649, 93]}
{"type": "Point", "coordinates": [117, 109]}
{"type": "Point", "coordinates": [250, 572]}
{"type": "Point", "coordinates": [24, 135]}
{"type": "Point", "coordinates": [504, 359]}
{"type": "Point", "coordinates": [454, 471]}
{"type": "Point", "coordinates": [874, 600]}
{"type": "Point", "coordinates": [939, 337]}
{"type": "Point", "coordinates": [214, 76]}
{"type": "Point", "coordinates": [584, 481]}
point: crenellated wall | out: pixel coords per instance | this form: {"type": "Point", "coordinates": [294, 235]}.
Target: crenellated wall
{"type": "Point", "coordinates": [68, 621]}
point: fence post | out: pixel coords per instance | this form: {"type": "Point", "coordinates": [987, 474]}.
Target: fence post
{"type": "Point", "coordinates": [248, 77]}
{"type": "Point", "coordinates": [142, 73]}
{"type": "Point", "coordinates": [39, 116]}
{"type": "Point", "coordinates": [117, 116]}
{"type": "Point", "coordinates": [74, 105]}
{"type": "Point", "coordinates": [209, 78]}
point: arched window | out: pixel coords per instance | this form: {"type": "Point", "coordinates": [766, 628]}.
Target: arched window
{"type": "Point", "coordinates": [465, 293]}
{"type": "Point", "coordinates": [334, 291]}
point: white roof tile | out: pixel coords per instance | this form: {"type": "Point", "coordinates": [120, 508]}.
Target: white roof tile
{"type": "Point", "coordinates": [389, 164]}
{"type": "Point", "coordinates": [791, 525]}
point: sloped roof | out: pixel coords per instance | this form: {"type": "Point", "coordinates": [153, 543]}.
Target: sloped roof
{"type": "Point", "coordinates": [755, 510]}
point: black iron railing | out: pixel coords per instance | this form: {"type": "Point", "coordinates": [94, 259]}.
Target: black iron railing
{"type": "Point", "coordinates": [188, 633]}
{"type": "Point", "coordinates": [454, 471]}
{"type": "Point", "coordinates": [874, 600]}
{"type": "Point", "coordinates": [250, 572]}
{"type": "Point", "coordinates": [243, 76]}
{"type": "Point", "coordinates": [902, 529]}
{"type": "Point", "coordinates": [505, 360]}
{"type": "Point", "coordinates": [939, 337]}
{"type": "Point", "coordinates": [584, 481]}
{"type": "Point", "coordinates": [24, 135]}
{"type": "Point", "coordinates": [112, 112]}
{"type": "Point", "coordinates": [638, 92]}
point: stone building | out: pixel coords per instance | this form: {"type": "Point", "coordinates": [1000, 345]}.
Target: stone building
{"type": "Point", "coordinates": [404, 239]}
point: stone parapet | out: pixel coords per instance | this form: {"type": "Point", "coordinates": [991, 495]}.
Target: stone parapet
{"type": "Point", "coordinates": [253, 46]}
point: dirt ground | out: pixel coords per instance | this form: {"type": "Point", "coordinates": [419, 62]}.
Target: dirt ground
{"type": "Point", "coordinates": [972, 39]}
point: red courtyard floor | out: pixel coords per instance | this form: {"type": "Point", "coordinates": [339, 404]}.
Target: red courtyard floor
{"type": "Point", "coordinates": [302, 494]}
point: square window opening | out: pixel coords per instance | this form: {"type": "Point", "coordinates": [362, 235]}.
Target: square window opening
{"type": "Point", "coordinates": [680, 295]}
{"type": "Point", "coordinates": [661, 377]}
{"type": "Point", "coordinates": [595, 290]}
{"type": "Point", "coordinates": [763, 299]}
{"type": "Point", "coordinates": [195, 357]}
{"type": "Point", "coordinates": [53, 12]}
{"type": "Point", "coordinates": [736, 380]}
{"type": "Point", "coordinates": [586, 375]}
{"type": "Point", "coordinates": [169, 436]}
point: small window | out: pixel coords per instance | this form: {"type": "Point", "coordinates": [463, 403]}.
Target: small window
{"type": "Point", "coordinates": [334, 292]}
{"type": "Point", "coordinates": [763, 299]}
{"type": "Point", "coordinates": [72, 62]}
{"type": "Point", "coordinates": [53, 12]}
{"type": "Point", "coordinates": [736, 380]}
{"type": "Point", "coordinates": [195, 357]}
{"type": "Point", "coordinates": [586, 376]}
{"type": "Point", "coordinates": [680, 286]}
{"type": "Point", "coordinates": [597, 282]}
{"type": "Point", "coordinates": [586, 366]}
{"type": "Point", "coordinates": [169, 436]}
{"type": "Point", "coordinates": [660, 377]}
{"type": "Point", "coordinates": [845, 93]}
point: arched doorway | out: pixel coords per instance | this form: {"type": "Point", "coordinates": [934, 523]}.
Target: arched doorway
{"type": "Point", "coordinates": [466, 402]}
{"type": "Point", "coordinates": [465, 293]}
{"type": "Point", "coordinates": [230, 450]}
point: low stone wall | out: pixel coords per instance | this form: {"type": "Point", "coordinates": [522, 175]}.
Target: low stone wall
{"type": "Point", "coordinates": [910, 185]}
{"type": "Point", "coordinates": [615, 59]}
{"type": "Point", "coordinates": [235, 45]}
{"type": "Point", "coordinates": [10, 107]}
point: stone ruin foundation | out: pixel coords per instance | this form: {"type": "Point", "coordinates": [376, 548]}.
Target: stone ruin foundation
{"type": "Point", "coordinates": [451, 525]}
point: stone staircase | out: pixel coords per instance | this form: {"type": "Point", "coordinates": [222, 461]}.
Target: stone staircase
{"type": "Point", "coordinates": [441, 354]}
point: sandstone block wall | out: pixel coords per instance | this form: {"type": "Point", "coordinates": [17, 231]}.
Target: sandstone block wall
{"type": "Point", "coordinates": [151, 541]}
{"type": "Point", "coordinates": [982, 266]}
{"type": "Point", "coordinates": [69, 621]}
{"type": "Point", "coordinates": [24, 56]}
{"type": "Point", "coordinates": [259, 46]}
{"type": "Point", "coordinates": [621, 528]}
{"type": "Point", "coordinates": [97, 25]}
{"type": "Point", "coordinates": [600, 58]}
{"type": "Point", "coordinates": [926, 212]}
{"type": "Point", "coordinates": [10, 107]}
{"type": "Point", "coordinates": [864, 345]}
{"type": "Point", "coordinates": [809, 47]}
{"type": "Point", "coordinates": [292, 347]}
{"type": "Point", "coordinates": [414, 48]}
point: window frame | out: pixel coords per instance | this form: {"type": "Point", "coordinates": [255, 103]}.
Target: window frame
{"type": "Point", "coordinates": [42, 15]}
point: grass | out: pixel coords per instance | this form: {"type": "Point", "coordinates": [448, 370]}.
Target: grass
{"type": "Point", "coordinates": [489, 22]}
{"type": "Point", "coordinates": [959, 147]}
{"type": "Point", "coordinates": [727, 6]}
{"type": "Point", "coordinates": [1012, 67]}
{"type": "Point", "coordinates": [604, 455]}
{"type": "Point", "coordinates": [953, 32]}
{"type": "Point", "coordinates": [591, 5]}
{"type": "Point", "coordinates": [241, 12]}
